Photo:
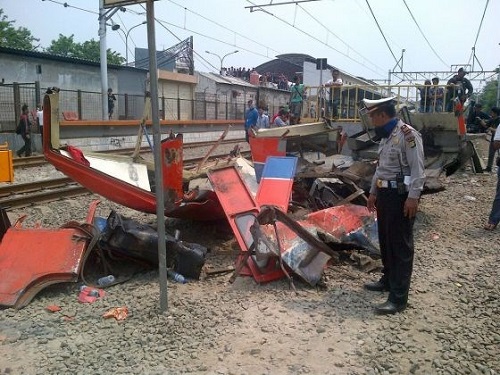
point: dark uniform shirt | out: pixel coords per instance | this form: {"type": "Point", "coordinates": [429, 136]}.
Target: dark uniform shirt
{"type": "Point", "coordinates": [458, 86]}
{"type": "Point", "coordinates": [402, 152]}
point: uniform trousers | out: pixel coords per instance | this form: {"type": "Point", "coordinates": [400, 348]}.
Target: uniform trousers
{"type": "Point", "coordinates": [395, 233]}
{"type": "Point", "coordinates": [495, 209]}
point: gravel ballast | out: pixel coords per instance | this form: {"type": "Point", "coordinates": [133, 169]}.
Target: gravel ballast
{"type": "Point", "coordinates": [213, 327]}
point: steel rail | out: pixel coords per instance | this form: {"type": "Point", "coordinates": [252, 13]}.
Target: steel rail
{"type": "Point", "coordinates": [29, 187]}
{"type": "Point", "coordinates": [37, 160]}
{"type": "Point", "coordinates": [11, 203]}
{"type": "Point", "coordinates": [61, 188]}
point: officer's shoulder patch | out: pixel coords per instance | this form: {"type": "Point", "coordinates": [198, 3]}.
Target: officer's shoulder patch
{"type": "Point", "coordinates": [408, 134]}
{"type": "Point", "coordinates": [411, 141]}
{"type": "Point", "coordinates": [405, 129]}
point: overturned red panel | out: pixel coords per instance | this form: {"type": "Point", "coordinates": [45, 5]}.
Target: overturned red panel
{"type": "Point", "coordinates": [32, 259]}
{"type": "Point", "coordinates": [241, 211]}
{"type": "Point", "coordinates": [261, 148]}
{"type": "Point", "coordinates": [276, 183]}
{"type": "Point", "coordinates": [172, 164]}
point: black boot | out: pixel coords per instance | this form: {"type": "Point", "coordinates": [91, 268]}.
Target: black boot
{"type": "Point", "coordinates": [389, 308]}
{"type": "Point", "coordinates": [377, 286]}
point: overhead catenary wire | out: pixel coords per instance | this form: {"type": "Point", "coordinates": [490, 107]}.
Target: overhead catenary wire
{"type": "Point", "coordinates": [252, 51]}
{"type": "Point", "coordinates": [336, 36]}
{"type": "Point", "coordinates": [132, 11]}
{"type": "Point", "coordinates": [66, 5]}
{"type": "Point", "coordinates": [421, 32]}
{"type": "Point", "coordinates": [473, 53]}
{"type": "Point", "coordinates": [383, 36]}
{"type": "Point", "coordinates": [315, 38]}
{"type": "Point", "coordinates": [223, 27]}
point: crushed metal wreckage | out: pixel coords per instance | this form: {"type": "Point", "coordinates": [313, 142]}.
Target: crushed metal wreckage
{"type": "Point", "coordinates": [326, 200]}
{"type": "Point", "coordinates": [273, 243]}
{"type": "Point", "coordinates": [31, 259]}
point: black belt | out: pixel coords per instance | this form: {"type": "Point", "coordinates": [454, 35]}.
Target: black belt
{"type": "Point", "coordinates": [388, 184]}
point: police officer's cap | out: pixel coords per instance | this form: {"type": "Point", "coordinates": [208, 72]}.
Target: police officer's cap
{"type": "Point", "coordinates": [371, 105]}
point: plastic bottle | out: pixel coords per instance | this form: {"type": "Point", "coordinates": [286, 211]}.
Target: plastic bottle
{"type": "Point", "coordinates": [106, 280]}
{"type": "Point", "coordinates": [176, 276]}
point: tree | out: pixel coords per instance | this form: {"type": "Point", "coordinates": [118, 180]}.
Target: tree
{"type": "Point", "coordinates": [88, 50]}
{"type": "Point", "coordinates": [64, 46]}
{"type": "Point", "coordinates": [488, 95]}
{"type": "Point", "coordinates": [15, 38]}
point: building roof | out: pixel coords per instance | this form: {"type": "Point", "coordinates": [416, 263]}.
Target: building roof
{"type": "Point", "coordinates": [52, 57]}
{"type": "Point", "coordinates": [228, 80]}
{"type": "Point", "coordinates": [291, 64]}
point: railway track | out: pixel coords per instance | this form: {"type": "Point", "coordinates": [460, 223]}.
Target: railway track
{"type": "Point", "coordinates": [17, 196]}
{"type": "Point", "coordinates": [37, 160]}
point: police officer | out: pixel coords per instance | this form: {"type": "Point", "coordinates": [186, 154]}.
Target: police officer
{"type": "Point", "coordinates": [394, 195]}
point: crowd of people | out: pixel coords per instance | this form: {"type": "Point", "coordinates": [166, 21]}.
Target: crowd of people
{"type": "Point", "coordinates": [259, 118]}
{"type": "Point", "coordinates": [435, 98]}
{"type": "Point", "coordinates": [243, 73]}
{"type": "Point", "coordinates": [274, 80]}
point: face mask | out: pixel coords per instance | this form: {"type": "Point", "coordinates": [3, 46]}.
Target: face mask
{"type": "Point", "coordinates": [386, 130]}
{"type": "Point", "coordinates": [381, 132]}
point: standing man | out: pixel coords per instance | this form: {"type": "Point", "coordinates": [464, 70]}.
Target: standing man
{"type": "Point", "coordinates": [251, 117]}
{"type": "Point", "coordinates": [334, 99]}
{"type": "Point", "coordinates": [494, 217]}
{"type": "Point", "coordinates": [457, 86]}
{"type": "Point", "coordinates": [476, 118]}
{"type": "Point", "coordinates": [491, 126]}
{"type": "Point", "coordinates": [39, 120]}
{"type": "Point", "coordinates": [394, 194]}
{"type": "Point", "coordinates": [111, 103]}
{"type": "Point", "coordinates": [25, 132]}
{"type": "Point", "coordinates": [296, 99]}
{"type": "Point", "coordinates": [249, 107]}
{"type": "Point", "coordinates": [437, 95]}
{"type": "Point", "coordinates": [263, 119]}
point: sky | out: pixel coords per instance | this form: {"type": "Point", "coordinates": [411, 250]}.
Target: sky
{"type": "Point", "coordinates": [365, 38]}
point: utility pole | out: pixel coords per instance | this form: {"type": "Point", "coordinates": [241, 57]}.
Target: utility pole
{"type": "Point", "coordinates": [498, 87]}
{"type": "Point", "coordinates": [104, 60]}
{"type": "Point", "coordinates": [104, 15]}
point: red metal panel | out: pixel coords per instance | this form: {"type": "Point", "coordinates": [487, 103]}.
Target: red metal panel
{"type": "Point", "coordinates": [261, 148]}
{"type": "Point", "coordinates": [31, 259]}
{"type": "Point", "coordinates": [340, 219]}
{"type": "Point", "coordinates": [275, 193]}
{"type": "Point", "coordinates": [172, 164]}
{"type": "Point", "coordinates": [241, 210]}
{"type": "Point", "coordinates": [232, 192]}
{"type": "Point", "coordinates": [275, 187]}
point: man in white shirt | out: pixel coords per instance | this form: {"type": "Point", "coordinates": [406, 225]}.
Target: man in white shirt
{"type": "Point", "coordinates": [39, 118]}
{"type": "Point", "coordinates": [262, 120]}
{"type": "Point", "coordinates": [334, 98]}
